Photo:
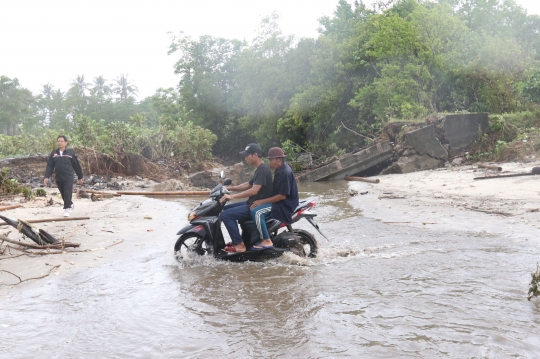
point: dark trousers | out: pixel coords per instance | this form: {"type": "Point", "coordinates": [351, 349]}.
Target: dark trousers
{"type": "Point", "coordinates": [232, 213]}
{"type": "Point", "coordinates": [66, 190]}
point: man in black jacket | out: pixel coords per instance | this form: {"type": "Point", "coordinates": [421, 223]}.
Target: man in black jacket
{"type": "Point", "coordinates": [64, 163]}
{"type": "Point", "coordinates": [260, 186]}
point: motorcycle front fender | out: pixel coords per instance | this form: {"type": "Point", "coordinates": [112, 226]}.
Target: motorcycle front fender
{"type": "Point", "coordinates": [190, 228]}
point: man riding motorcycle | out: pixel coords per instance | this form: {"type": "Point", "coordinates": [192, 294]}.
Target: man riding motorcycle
{"type": "Point", "coordinates": [259, 187]}
{"type": "Point", "coordinates": [283, 201]}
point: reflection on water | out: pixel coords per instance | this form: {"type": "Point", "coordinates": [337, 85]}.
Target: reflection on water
{"type": "Point", "coordinates": [375, 290]}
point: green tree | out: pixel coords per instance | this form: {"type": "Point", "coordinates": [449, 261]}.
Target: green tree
{"type": "Point", "coordinates": [17, 107]}
{"type": "Point", "coordinates": [124, 88]}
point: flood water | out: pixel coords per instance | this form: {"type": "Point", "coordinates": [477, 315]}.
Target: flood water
{"type": "Point", "coordinates": [374, 291]}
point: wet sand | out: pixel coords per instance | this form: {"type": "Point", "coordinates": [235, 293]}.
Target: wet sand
{"type": "Point", "coordinates": [450, 199]}
{"type": "Point", "coordinates": [119, 225]}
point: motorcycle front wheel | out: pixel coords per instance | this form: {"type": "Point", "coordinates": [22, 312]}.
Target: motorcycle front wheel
{"type": "Point", "coordinates": [307, 241]}
{"type": "Point", "coordinates": [191, 244]}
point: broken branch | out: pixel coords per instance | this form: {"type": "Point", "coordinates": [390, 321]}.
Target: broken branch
{"type": "Point", "coordinates": [27, 279]}
{"type": "Point", "coordinates": [34, 246]}
{"type": "Point", "coordinates": [356, 133]}
{"type": "Point", "coordinates": [59, 219]}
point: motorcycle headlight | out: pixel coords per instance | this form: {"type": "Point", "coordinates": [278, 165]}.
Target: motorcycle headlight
{"type": "Point", "coordinates": [191, 216]}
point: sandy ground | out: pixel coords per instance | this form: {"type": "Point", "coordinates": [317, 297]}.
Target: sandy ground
{"type": "Point", "coordinates": [119, 225]}
{"type": "Point", "coordinates": [450, 199]}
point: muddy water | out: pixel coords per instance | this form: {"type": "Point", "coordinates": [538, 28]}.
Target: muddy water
{"type": "Point", "coordinates": [375, 290]}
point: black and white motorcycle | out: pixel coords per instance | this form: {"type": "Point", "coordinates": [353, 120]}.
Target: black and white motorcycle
{"type": "Point", "coordinates": [203, 236]}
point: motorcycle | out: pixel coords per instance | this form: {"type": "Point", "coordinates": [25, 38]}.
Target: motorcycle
{"type": "Point", "coordinates": [203, 236]}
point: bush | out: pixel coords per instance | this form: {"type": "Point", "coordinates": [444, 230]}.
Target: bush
{"type": "Point", "coordinates": [172, 138]}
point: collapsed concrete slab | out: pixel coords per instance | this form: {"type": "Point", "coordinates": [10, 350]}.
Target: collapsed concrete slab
{"type": "Point", "coordinates": [424, 141]}
{"type": "Point", "coordinates": [444, 138]}
{"type": "Point", "coordinates": [413, 164]}
{"type": "Point", "coordinates": [462, 130]}
{"type": "Point", "coordinates": [351, 164]}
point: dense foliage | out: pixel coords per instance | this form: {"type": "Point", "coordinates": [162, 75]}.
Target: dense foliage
{"type": "Point", "coordinates": [402, 60]}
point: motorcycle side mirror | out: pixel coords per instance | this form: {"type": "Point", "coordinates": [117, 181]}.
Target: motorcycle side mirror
{"type": "Point", "coordinates": [227, 182]}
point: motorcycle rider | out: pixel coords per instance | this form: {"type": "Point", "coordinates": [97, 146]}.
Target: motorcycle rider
{"type": "Point", "coordinates": [259, 187]}
{"type": "Point", "coordinates": [281, 204]}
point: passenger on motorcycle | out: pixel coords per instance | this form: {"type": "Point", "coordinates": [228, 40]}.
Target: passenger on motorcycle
{"type": "Point", "coordinates": [259, 187]}
{"type": "Point", "coordinates": [281, 204]}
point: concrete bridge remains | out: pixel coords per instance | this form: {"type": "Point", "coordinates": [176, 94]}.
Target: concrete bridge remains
{"type": "Point", "coordinates": [351, 164]}
{"type": "Point", "coordinates": [411, 147]}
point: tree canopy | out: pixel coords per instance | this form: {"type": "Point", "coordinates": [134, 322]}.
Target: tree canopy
{"type": "Point", "coordinates": [405, 59]}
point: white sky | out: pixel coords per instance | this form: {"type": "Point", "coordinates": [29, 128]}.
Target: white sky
{"type": "Point", "coordinates": [53, 41]}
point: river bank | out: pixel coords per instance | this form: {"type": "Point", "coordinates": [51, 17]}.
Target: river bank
{"type": "Point", "coordinates": [119, 225]}
{"type": "Point", "coordinates": [450, 199]}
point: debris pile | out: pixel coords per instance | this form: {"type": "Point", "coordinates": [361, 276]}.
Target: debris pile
{"type": "Point", "coordinates": [534, 288]}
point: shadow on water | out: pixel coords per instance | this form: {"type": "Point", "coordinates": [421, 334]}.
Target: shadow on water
{"type": "Point", "coordinates": [374, 290]}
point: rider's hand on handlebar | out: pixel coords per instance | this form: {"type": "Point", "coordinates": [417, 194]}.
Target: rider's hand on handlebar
{"type": "Point", "coordinates": [225, 198]}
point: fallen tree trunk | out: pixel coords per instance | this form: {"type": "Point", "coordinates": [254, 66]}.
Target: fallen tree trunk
{"type": "Point", "coordinates": [59, 219]}
{"type": "Point", "coordinates": [101, 192]}
{"type": "Point", "coordinates": [362, 179]}
{"type": "Point", "coordinates": [10, 207]}
{"type": "Point", "coordinates": [170, 193]}
{"type": "Point", "coordinates": [505, 176]}
{"type": "Point", "coordinates": [59, 245]}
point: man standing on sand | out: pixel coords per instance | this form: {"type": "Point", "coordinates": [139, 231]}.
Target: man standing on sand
{"type": "Point", "coordinates": [259, 187]}
{"type": "Point", "coordinates": [281, 204]}
{"type": "Point", "coordinates": [64, 163]}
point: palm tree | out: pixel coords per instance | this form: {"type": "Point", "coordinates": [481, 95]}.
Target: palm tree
{"type": "Point", "coordinates": [47, 91]}
{"type": "Point", "coordinates": [45, 103]}
{"type": "Point", "coordinates": [101, 88]}
{"type": "Point", "coordinates": [124, 88]}
{"type": "Point", "coordinates": [79, 86]}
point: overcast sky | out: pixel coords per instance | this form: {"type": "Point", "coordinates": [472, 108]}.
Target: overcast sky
{"type": "Point", "coordinates": [53, 41]}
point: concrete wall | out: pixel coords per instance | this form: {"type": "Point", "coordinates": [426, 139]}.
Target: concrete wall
{"type": "Point", "coordinates": [462, 130]}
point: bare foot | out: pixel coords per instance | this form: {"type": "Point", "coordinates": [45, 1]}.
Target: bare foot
{"type": "Point", "coordinates": [240, 247]}
{"type": "Point", "coordinates": [266, 243]}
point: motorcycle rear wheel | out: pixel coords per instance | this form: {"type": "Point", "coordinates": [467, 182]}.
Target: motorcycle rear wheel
{"type": "Point", "coordinates": [191, 243]}
{"type": "Point", "coordinates": [307, 241]}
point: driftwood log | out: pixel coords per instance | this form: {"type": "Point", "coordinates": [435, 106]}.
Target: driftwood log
{"type": "Point", "coordinates": [505, 176]}
{"type": "Point", "coordinates": [10, 207]}
{"type": "Point", "coordinates": [101, 192]}
{"type": "Point", "coordinates": [362, 179]}
{"type": "Point", "coordinates": [169, 193]}
{"type": "Point", "coordinates": [59, 219]}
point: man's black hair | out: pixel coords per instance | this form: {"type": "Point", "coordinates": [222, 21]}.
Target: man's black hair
{"type": "Point", "coordinates": [62, 136]}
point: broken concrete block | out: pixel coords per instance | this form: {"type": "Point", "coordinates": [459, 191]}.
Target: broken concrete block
{"type": "Point", "coordinates": [413, 164]}
{"type": "Point", "coordinates": [463, 130]}
{"type": "Point", "coordinates": [424, 141]}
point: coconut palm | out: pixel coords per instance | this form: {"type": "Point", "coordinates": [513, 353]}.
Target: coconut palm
{"type": "Point", "coordinates": [124, 88]}
{"type": "Point", "coordinates": [79, 86]}
{"type": "Point", "coordinates": [45, 103]}
{"type": "Point", "coordinates": [47, 91]}
{"type": "Point", "coordinates": [101, 88]}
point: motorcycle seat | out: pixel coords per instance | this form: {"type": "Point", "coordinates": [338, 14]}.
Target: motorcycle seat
{"type": "Point", "coordinates": [271, 224]}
